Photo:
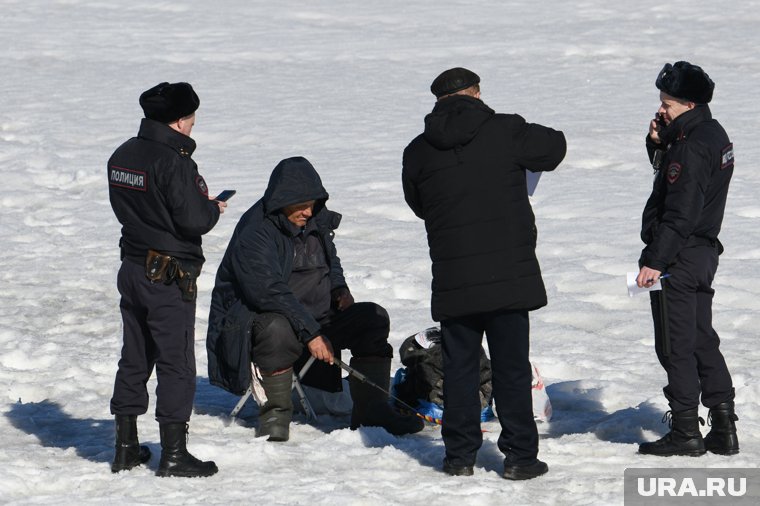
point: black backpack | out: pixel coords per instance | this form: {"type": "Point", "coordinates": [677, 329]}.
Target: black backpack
{"type": "Point", "coordinates": [423, 378]}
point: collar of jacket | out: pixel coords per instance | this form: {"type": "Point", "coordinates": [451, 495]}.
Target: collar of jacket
{"type": "Point", "coordinates": [682, 126]}
{"type": "Point", "coordinates": [160, 132]}
{"type": "Point", "coordinates": [323, 221]}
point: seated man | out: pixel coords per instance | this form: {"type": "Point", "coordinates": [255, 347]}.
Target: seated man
{"type": "Point", "coordinates": [280, 288]}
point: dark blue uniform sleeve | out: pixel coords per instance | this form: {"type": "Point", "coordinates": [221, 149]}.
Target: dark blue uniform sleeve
{"type": "Point", "coordinates": [684, 179]}
{"type": "Point", "coordinates": [187, 197]}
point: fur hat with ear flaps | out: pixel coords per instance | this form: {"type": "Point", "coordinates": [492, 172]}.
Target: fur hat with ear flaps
{"type": "Point", "coordinates": [169, 102]}
{"type": "Point", "coordinates": [685, 81]}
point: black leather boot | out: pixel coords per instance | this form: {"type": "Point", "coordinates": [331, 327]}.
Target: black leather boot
{"type": "Point", "coordinates": [371, 408]}
{"type": "Point", "coordinates": [275, 415]}
{"type": "Point", "coordinates": [684, 437]}
{"type": "Point", "coordinates": [722, 437]}
{"type": "Point", "coordinates": [514, 471]}
{"type": "Point", "coordinates": [175, 459]}
{"type": "Point", "coordinates": [128, 453]}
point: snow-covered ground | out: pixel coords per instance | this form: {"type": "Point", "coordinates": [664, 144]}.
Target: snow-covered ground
{"type": "Point", "coordinates": [347, 87]}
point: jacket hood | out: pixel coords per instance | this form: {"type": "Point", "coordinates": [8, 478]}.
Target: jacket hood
{"type": "Point", "coordinates": [293, 180]}
{"type": "Point", "coordinates": [455, 121]}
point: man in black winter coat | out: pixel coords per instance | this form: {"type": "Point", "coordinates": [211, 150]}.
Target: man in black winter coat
{"type": "Point", "coordinates": [163, 206]}
{"type": "Point", "coordinates": [465, 175]}
{"type": "Point", "coordinates": [280, 296]}
{"type": "Point", "coordinates": [693, 160]}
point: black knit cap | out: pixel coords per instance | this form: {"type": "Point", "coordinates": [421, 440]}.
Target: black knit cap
{"type": "Point", "coordinates": [453, 80]}
{"type": "Point", "coordinates": [169, 102]}
{"type": "Point", "coordinates": [685, 81]}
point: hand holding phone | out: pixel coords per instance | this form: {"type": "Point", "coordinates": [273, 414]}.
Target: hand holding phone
{"type": "Point", "coordinates": [225, 195]}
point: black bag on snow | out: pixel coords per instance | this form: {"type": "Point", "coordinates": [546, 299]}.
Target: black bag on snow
{"type": "Point", "coordinates": [421, 354]}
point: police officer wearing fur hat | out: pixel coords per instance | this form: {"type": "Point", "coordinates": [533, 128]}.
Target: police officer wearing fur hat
{"type": "Point", "coordinates": [162, 203]}
{"type": "Point", "coordinates": [693, 160]}
{"type": "Point", "coordinates": [465, 176]}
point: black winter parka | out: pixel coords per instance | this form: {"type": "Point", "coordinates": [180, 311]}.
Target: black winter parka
{"type": "Point", "coordinates": [253, 275]}
{"type": "Point", "coordinates": [690, 187]}
{"type": "Point", "coordinates": [465, 176]}
{"type": "Point", "coordinates": [158, 196]}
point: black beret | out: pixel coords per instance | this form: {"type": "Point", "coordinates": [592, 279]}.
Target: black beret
{"type": "Point", "coordinates": [453, 80]}
{"type": "Point", "coordinates": [169, 102]}
{"type": "Point", "coordinates": [685, 81]}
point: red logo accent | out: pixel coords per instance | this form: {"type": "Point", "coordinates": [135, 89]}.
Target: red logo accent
{"type": "Point", "coordinates": [674, 170]}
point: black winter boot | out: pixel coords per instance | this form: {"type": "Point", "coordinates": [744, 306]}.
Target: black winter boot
{"type": "Point", "coordinates": [722, 437]}
{"type": "Point", "coordinates": [128, 453]}
{"type": "Point", "coordinates": [277, 412]}
{"type": "Point", "coordinates": [175, 459]}
{"type": "Point", "coordinates": [684, 437]}
{"type": "Point", "coordinates": [371, 408]}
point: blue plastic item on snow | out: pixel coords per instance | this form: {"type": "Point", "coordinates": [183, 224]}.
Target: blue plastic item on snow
{"type": "Point", "coordinates": [430, 410]}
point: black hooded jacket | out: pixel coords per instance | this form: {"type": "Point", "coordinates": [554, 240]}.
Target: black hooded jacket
{"type": "Point", "coordinates": [253, 275]}
{"type": "Point", "coordinates": [465, 176]}
{"type": "Point", "coordinates": [158, 196]}
{"type": "Point", "coordinates": [690, 187]}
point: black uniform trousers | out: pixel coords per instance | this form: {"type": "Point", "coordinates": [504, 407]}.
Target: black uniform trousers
{"type": "Point", "coordinates": [695, 364]}
{"type": "Point", "coordinates": [362, 328]}
{"type": "Point", "coordinates": [159, 330]}
{"type": "Point", "coordinates": [507, 333]}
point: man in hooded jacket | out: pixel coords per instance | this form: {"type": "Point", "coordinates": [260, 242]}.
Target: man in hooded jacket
{"type": "Point", "coordinates": [465, 175]}
{"type": "Point", "coordinates": [280, 296]}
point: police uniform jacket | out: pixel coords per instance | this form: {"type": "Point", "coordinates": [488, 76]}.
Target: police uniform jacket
{"type": "Point", "coordinates": [254, 273]}
{"type": "Point", "coordinates": [465, 176]}
{"type": "Point", "coordinates": [158, 196]}
{"type": "Point", "coordinates": [693, 171]}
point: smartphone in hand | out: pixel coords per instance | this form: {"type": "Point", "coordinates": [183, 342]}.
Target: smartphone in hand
{"type": "Point", "coordinates": [225, 195]}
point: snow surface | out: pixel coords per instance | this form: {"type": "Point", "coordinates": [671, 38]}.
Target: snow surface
{"type": "Point", "coordinates": [347, 87]}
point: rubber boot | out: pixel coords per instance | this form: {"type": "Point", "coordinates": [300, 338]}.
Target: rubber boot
{"type": "Point", "coordinates": [128, 452]}
{"type": "Point", "coordinates": [722, 437]}
{"type": "Point", "coordinates": [371, 407]}
{"type": "Point", "coordinates": [175, 459]}
{"type": "Point", "coordinates": [684, 437]}
{"type": "Point", "coordinates": [277, 412]}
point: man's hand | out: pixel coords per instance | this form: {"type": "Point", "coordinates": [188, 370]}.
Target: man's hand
{"type": "Point", "coordinates": [342, 298]}
{"type": "Point", "coordinates": [654, 129]}
{"type": "Point", "coordinates": [221, 204]}
{"type": "Point", "coordinates": [321, 349]}
{"type": "Point", "coordinates": [647, 277]}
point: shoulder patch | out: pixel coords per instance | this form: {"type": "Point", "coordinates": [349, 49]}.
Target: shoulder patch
{"type": "Point", "coordinates": [127, 178]}
{"type": "Point", "coordinates": [674, 170]}
{"type": "Point", "coordinates": [201, 184]}
{"type": "Point", "coordinates": [727, 157]}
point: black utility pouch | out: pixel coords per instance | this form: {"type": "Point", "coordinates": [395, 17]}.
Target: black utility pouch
{"type": "Point", "coordinates": [187, 285]}
{"type": "Point", "coordinates": [159, 267]}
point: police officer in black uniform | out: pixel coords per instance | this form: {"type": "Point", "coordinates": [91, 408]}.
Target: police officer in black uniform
{"type": "Point", "coordinates": [164, 208]}
{"type": "Point", "coordinates": [693, 161]}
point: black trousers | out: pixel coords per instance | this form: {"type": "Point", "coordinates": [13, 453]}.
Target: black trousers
{"type": "Point", "coordinates": [695, 365]}
{"type": "Point", "coordinates": [159, 330]}
{"type": "Point", "coordinates": [361, 328]}
{"type": "Point", "coordinates": [507, 333]}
